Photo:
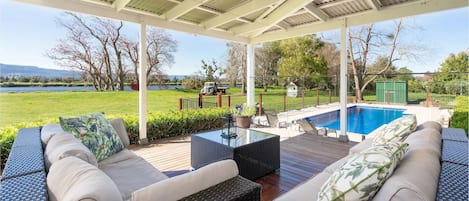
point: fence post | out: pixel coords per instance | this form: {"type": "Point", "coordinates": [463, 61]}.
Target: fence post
{"type": "Point", "coordinates": [180, 104]}
{"type": "Point", "coordinates": [260, 104]}
{"type": "Point", "coordinates": [330, 100]}
{"type": "Point", "coordinates": [201, 101]}
{"type": "Point", "coordinates": [228, 101]}
{"type": "Point", "coordinates": [302, 99]}
{"type": "Point", "coordinates": [427, 97]}
{"type": "Point", "coordinates": [284, 102]}
{"type": "Point", "coordinates": [317, 97]}
{"type": "Point", "coordinates": [219, 100]}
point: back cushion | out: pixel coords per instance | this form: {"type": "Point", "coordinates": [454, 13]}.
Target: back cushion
{"type": "Point", "coordinates": [416, 177]}
{"type": "Point", "coordinates": [118, 125]}
{"type": "Point", "coordinates": [48, 131]}
{"type": "Point", "coordinates": [63, 145]}
{"type": "Point", "coordinates": [72, 179]}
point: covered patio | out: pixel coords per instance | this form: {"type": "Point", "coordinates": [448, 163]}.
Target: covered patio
{"type": "Point", "coordinates": [251, 22]}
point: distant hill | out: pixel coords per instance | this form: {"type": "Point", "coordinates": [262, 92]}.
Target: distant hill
{"type": "Point", "coordinates": [29, 71]}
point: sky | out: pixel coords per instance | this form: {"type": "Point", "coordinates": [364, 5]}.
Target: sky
{"type": "Point", "coordinates": [28, 32]}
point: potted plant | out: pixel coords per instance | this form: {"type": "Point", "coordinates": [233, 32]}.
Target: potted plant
{"type": "Point", "coordinates": [243, 115]}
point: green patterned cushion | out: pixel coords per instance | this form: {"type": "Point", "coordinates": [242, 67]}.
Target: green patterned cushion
{"type": "Point", "coordinates": [95, 132]}
{"type": "Point", "coordinates": [397, 130]}
{"type": "Point", "coordinates": [364, 173]}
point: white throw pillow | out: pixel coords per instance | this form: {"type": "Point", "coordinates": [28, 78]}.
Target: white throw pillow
{"type": "Point", "coordinates": [364, 173]}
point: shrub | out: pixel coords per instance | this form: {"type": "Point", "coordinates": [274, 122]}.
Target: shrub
{"type": "Point", "coordinates": [169, 124]}
{"type": "Point", "coordinates": [460, 118]}
{"type": "Point", "coordinates": [159, 125]}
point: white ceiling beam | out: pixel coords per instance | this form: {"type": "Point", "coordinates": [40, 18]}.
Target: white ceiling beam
{"type": "Point", "coordinates": [387, 13]}
{"type": "Point", "coordinates": [282, 12]}
{"type": "Point", "coordinates": [131, 16]}
{"type": "Point", "coordinates": [334, 3]}
{"type": "Point", "coordinates": [120, 4]}
{"type": "Point", "coordinates": [375, 4]}
{"type": "Point", "coordinates": [243, 10]}
{"type": "Point", "coordinates": [183, 8]}
{"type": "Point", "coordinates": [318, 13]}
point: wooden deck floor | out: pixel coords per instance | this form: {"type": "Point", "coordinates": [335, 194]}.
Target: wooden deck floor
{"type": "Point", "coordinates": [301, 157]}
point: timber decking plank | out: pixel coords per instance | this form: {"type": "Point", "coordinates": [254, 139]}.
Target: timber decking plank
{"type": "Point", "coordinates": [301, 157]}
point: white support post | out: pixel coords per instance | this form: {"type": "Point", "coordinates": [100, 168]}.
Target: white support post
{"type": "Point", "coordinates": [343, 137]}
{"type": "Point", "coordinates": [142, 85]}
{"type": "Point", "coordinates": [250, 74]}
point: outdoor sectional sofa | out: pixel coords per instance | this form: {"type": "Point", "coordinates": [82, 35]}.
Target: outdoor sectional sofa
{"type": "Point", "coordinates": [62, 168]}
{"type": "Point", "coordinates": [434, 167]}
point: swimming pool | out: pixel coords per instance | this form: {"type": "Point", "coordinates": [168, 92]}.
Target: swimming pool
{"type": "Point", "coordinates": [360, 119]}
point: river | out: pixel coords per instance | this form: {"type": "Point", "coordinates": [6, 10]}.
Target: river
{"type": "Point", "coordinates": [74, 88]}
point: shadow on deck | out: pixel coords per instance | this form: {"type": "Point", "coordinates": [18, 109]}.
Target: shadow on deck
{"type": "Point", "coordinates": [301, 157]}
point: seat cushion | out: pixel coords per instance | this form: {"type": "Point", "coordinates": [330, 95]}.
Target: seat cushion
{"type": "Point", "coordinates": [63, 145]}
{"type": "Point", "coordinates": [307, 190]}
{"type": "Point", "coordinates": [95, 132]}
{"type": "Point", "coordinates": [364, 173]}
{"type": "Point", "coordinates": [74, 179]}
{"type": "Point", "coordinates": [130, 172]}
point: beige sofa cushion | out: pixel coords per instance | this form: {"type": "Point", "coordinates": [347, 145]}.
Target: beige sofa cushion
{"type": "Point", "coordinates": [416, 178]}
{"type": "Point", "coordinates": [427, 139]}
{"type": "Point", "coordinates": [118, 125]}
{"type": "Point", "coordinates": [430, 124]}
{"type": "Point", "coordinates": [187, 184]}
{"type": "Point", "coordinates": [130, 172]}
{"type": "Point", "coordinates": [63, 145]}
{"type": "Point", "coordinates": [333, 167]}
{"type": "Point", "coordinates": [48, 131]}
{"type": "Point", "coordinates": [307, 190]}
{"type": "Point", "coordinates": [367, 143]}
{"type": "Point", "coordinates": [72, 179]}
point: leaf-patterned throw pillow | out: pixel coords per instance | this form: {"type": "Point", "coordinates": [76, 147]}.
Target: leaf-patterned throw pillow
{"type": "Point", "coordinates": [364, 173]}
{"type": "Point", "coordinates": [95, 132]}
{"type": "Point", "coordinates": [397, 130]}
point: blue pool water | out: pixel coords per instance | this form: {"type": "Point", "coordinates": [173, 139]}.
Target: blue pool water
{"type": "Point", "coordinates": [360, 119]}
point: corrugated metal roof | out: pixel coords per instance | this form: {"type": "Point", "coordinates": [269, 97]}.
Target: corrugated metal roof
{"type": "Point", "coordinates": [238, 19]}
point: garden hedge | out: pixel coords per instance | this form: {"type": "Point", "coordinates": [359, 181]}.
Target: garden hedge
{"type": "Point", "coordinates": [159, 125]}
{"type": "Point", "coordinates": [460, 118]}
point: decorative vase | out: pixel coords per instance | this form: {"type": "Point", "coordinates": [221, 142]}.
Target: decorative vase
{"type": "Point", "coordinates": [243, 121]}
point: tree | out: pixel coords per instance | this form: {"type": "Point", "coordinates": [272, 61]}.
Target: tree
{"type": "Point", "coordinates": [366, 42]}
{"type": "Point", "coordinates": [454, 73]}
{"type": "Point", "coordinates": [98, 48]}
{"type": "Point", "coordinates": [209, 71]}
{"type": "Point", "coordinates": [236, 67]}
{"type": "Point", "coordinates": [267, 58]}
{"type": "Point", "coordinates": [160, 49]}
{"type": "Point", "coordinates": [302, 62]}
{"type": "Point", "coordinates": [404, 74]}
{"type": "Point", "coordinates": [332, 55]}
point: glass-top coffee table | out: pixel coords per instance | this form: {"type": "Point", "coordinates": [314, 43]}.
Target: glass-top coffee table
{"type": "Point", "coordinates": [256, 153]}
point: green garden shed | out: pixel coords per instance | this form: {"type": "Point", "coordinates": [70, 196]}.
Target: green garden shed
{"type": "Point", "coordinates": [391, 92]}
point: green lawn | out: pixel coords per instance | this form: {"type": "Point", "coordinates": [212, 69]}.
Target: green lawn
{"type": "Point", "coordinates": [35, 106]}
